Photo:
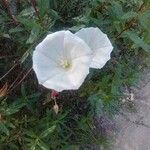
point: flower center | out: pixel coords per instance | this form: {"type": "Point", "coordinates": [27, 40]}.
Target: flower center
{"type": "Point", "coordinates": [65, 64]}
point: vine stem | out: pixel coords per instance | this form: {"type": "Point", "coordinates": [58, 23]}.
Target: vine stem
{"type": "Point", "coordinates": [130, 23]}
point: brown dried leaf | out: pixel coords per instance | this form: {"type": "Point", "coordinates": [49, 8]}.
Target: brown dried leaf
{"type": "Point", "coordinates": [56, 108]}
{"type": "Point", "coordinates": [3, 90]}
{"type": "Point", "coordinates": [0, 117]}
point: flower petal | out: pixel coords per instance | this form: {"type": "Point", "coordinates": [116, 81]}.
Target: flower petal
{"type": "Point", "coordinates": [43, 66]}
{"type": "Point", "coordinates": [47, 61]}
{"type": "Point", "coordinates": [59, 82]}
{"type": "Point", "coordinates": [52, 45]}
{"type": "Point", "coordinates": [74, 46]}
{"type": "Point", "coordinates": [99, 43]}
{"type": "Point", "coordinates": [73, 78]}
{"type": "Point", "coordinates": [79, 71]}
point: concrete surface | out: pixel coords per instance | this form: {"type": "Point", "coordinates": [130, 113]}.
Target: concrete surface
{"type": "Point", "coordinates": [134, 127]}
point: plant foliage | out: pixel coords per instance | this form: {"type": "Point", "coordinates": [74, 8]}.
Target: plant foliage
{"type": "Point", "coordinates": [27, 119]}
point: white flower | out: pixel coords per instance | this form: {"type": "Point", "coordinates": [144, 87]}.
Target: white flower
{"type": "Point", "coordinates": [61, 61]}
{"type": "Point", "coordinates": [99, 43]}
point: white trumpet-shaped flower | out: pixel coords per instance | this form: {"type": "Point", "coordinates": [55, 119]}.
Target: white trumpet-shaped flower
{"type": "Point", "coordinates": [99, 44]}
{"type": "Point", "coordinates": [61, 61]}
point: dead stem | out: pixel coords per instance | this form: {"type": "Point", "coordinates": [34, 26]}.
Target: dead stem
{"type": "Point", "coordinates": [5, 57]}
{"type": "Point", "coordinates": [20, 81]}
{"type": "Point", "coordinates": [15, 81]}
{"type": "Point", "coordinates": [6, 5]}
{"type": "Point", "coordinates": [137, 122]}
{"type": "Point", "coordinates": [33, 2]}
{"type": "Point", "coordinates": [8, 71]}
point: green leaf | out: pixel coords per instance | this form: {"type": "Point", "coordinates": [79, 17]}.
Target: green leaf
{"type": "Point", "coordinates": [53, 14]}
{"type": "Point", "coordinates": [2, 19]}
{"type": "Point", "coordinates": [116, 80]}
{"type": "Point", "coordinates": [34, 144]}
{"type": "Point", "coordinates": [43, 6]}
{"type": "Point", "coordinates": [29, 24]}
{"type": "Point", "coordinates": [34, 34]}
{"type": "Point", "coordinates": [53, 4]}
{"type": "Point", "coordinates": [43, 146]}
{"type": "Point", "coordinates": [3, 129]}
{"type": "Point", "coordinates": [144, 19]}
{"type": "Point", "coordinates": [137, 40]}
{"type": "Point", "coordinates": [14, 107]}
{"type": "Point", "coordinates": [77, 28]}
{"type": "Point", "coordinates": [96, 103]}
{"type": "Point", "coordinates": [16, 30]}
{"type": "Point", "coordinates": [129, 15]}
{"type": "Point", "coordinates": [27, 12]}
{"type": "Point", "coordinates": [30, 134]}
{"type": "Point", "coordinates": [47, 131]}
{"type": "Point", "coordinates": [81, 19]}
{"type": "Point", "coordinates": [117, 9]}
